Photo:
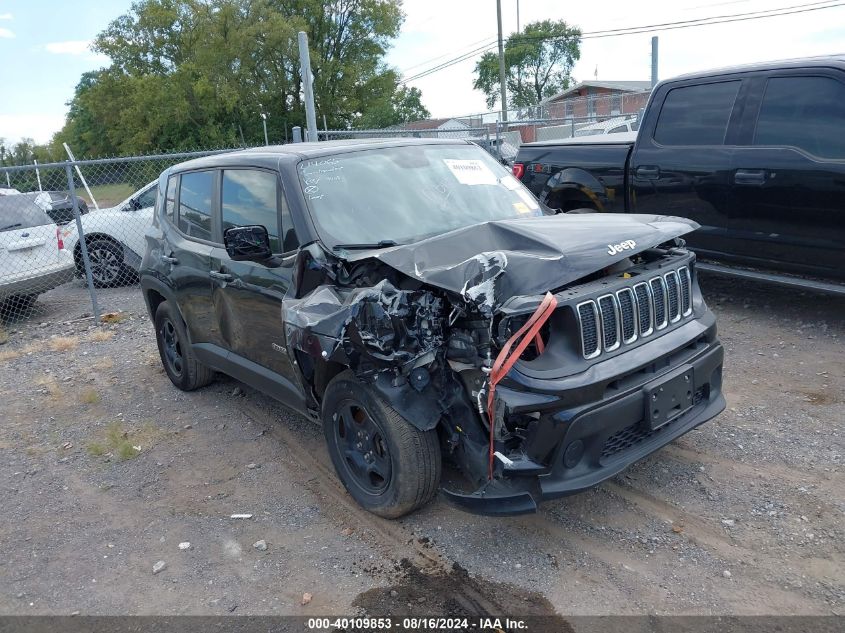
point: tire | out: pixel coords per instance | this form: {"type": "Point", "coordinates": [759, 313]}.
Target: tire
{"type": "Point", "coordinates": [107, 267]}
{"type": "Point", "coordinates": [402, 472]}
{"type": "Point", "coordinates": [177, 358]}
{"type": "Point", "coordinates": [16, 306]}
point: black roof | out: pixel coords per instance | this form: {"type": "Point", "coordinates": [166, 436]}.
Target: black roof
{"type": "Point", "coordinates": [270, 155]}
{"type": "Point", "coordinates": [821, 61]}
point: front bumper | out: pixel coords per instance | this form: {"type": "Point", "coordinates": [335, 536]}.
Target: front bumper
{"type": "Point", "coordinates": [572, 448]}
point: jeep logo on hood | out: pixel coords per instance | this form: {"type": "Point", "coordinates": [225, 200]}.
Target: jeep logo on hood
{"type": "Point", "coordinates": [613, 249]}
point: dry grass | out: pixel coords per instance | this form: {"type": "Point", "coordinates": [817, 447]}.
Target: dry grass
{"type": "Point", "coordinates": [9, 354]}
{"type": "Point", "coordinates": [101, 336]}
{"type": "Point", "coordinates": [89, 396]}
{"type": "Point", "coordinates": [122, 442]}
{"type": "Point", "coordinates": [63, 343]}
{"type": "Point", "coordinates": [113, 317]}
{"type": "Point", "coordinates": [101, 364]}
{"type": "Point", "coordinates": [49, 383]}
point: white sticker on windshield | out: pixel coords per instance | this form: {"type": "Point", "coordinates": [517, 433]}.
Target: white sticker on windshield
{"type": "Point", "coordinates": [470, 172]}
{"type": "Point", "coordinates": [527, 198]}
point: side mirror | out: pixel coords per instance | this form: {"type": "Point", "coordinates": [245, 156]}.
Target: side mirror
{"type": "Point", "coordinates": [247, 243]}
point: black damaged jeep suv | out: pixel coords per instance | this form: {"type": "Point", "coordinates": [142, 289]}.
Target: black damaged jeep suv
{"type": "Point", "coordinates": [415, 298]}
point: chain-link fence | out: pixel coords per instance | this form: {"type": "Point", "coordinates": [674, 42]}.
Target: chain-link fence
{"type": "Point", "coordinates": [71, 232]}
{"type": "Point", "coordinates": [501, 145]}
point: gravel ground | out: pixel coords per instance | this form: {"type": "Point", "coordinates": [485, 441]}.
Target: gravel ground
{"type": "Point", "coordinates": [106, 469]}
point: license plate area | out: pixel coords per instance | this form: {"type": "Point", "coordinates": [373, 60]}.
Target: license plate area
{"type": "Point", "coordinates": [668, 397]}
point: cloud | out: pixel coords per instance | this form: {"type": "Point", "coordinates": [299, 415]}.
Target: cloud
{"type": "Point", "coordinates": [39, 127]}
{"type": "Point", "coordinates": [5, 16]}
{"type": "Point", "coordinates": [6, 33]}
{"type": "Point", "coordinates": [71, 47]}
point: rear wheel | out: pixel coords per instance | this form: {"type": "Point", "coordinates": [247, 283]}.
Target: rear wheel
{"type": "Point", "coordinates": [388, 466]}
{"type": "Point", "coordinates": [179, 362]}
{"type": "Point", "coordinates": [107, 267]}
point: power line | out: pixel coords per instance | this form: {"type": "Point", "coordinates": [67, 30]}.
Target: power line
{"type": "Point", "coordinates": [634, 30]}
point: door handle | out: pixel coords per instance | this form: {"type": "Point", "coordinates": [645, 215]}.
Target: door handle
{"type": "Point", "coordinates": [750, 177]}
{"type": "Point", "coordinates": [169, 260]}
{"type": "Point", "coordinates": [221, 276]}
{"type": "Point", "coordinates": [647, 172]}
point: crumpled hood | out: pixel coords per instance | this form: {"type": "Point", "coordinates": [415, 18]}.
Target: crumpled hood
{"type": "Point", "coordinates": [491, 262]}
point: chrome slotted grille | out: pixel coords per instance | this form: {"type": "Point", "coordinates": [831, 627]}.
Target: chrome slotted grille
{"type": "Point", "coordinates": [627, 312]}
{"type": "Point", "coordinates": [609, 322]}
{"type": "Point", "coordinates": [588, 316]}
{"type": "Point", "coordinates": [658, 296]}
{"type": "Point", "coordinates": [686, 295]}
{"type": "Point", "coordinates": [635, 312]}
{"type": "Point", "coordinates": [673, 289]}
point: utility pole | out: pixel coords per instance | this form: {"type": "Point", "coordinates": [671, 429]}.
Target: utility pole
{"type": "Point", "coordinates": [653, 61]}
{"type": "Point", "coordinates": [307, 86]}
{"type": "Point", "coordinates": [502, 80]}
{"type": "Point", "coordinates": [264, 122]}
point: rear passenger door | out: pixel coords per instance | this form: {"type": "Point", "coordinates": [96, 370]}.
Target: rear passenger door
{"type": "Point", "coordinates": [248, 295]}
{"type": "Point", "coordinates": [789, 172]}
{"type": "Point", "coordinates": [681, 163]}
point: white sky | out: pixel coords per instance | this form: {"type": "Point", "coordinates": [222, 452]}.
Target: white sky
{"type": "Point", "coordinates": [43, 60]}
{"type": "Point", "coordinates": [436, 28]}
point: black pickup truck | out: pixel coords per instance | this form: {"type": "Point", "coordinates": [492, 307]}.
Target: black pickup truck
{"type": "Point", "coordinates": [754, 154]}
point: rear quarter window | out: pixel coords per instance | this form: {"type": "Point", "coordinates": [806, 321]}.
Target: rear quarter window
{"type": "Point", "coordinates": [195, 192]}
{"type": "Point", "coordinates": [803, 112]}
{"type": "Point", "coordinates": [696, 115]}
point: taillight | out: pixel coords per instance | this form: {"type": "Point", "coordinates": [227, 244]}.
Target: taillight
{"type": "Point", "coordinates": [518, 170]}
{"type": "Point", "coordinates": [59, 241]}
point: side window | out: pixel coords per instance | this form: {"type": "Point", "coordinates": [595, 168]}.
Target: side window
{"type": "Point", "coordinates": [249, 197]}
{"type": "Point", "coordinates": [148, 198]}
{"type": "Point", "coordinates": [696, 115]}
{"type": "Point", "coordinates": [803, 112]}
{"type": "Point", "coordinates": [195, 204]}
{"type": "Point", "coordinates": [170, 198]}
{"type": "Point", "coordinates": [617, 129]}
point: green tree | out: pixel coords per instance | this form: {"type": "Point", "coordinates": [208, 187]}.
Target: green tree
{"type": "Point", "coordinates": [538, 63]}
{"type": "Point", "coordinates": [389, 103]}
{"type": "Point", "coordinates": [189, 74]}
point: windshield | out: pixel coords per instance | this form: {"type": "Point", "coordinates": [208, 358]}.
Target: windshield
{"type": "Point", "coordinates": [404, 194]}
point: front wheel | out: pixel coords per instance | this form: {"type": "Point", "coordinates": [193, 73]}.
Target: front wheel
{"type": "Point", "coordinates": [389, 467]}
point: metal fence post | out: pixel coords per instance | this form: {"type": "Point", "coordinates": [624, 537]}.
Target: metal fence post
{"type": "Point", "coordinates": [498, 140]}
{"type": "Point", "coordinates": [83, 246]}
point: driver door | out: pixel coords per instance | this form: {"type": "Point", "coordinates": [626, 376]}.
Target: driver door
{"type": "Point", "coordinates": [247, 296]}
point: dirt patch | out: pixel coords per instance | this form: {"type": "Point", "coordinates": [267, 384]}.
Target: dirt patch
{"type": "Point", "coordinates": [456, 594]}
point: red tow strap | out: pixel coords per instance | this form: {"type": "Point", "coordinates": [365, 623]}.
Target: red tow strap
{"type": "Point", "coordinates": [506, 359]}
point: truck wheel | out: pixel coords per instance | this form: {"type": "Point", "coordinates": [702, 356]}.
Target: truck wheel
{"type": "Point", "coordinates": [388, 466]}
{"type": "Point", "coordinates": [179, 362]}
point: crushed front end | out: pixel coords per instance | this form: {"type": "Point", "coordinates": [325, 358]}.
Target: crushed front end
{"type": "Point", "coordinates": [630, 362]}
{"type": "Point", "coordinates": [624, 360]}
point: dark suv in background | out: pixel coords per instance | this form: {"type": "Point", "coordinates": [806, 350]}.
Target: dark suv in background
{"type": "Point", "coordinates": [755, 154]}
{"type": "Point", "coordinates": [414, 297]}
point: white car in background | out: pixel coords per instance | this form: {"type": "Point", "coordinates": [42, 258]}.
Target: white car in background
{"type": "Point", "coordinates": [33, 259]}
{"type": "Point", "coordinates": [610, 126]}
{"type": "Point", "coordinates": [114, 238]}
